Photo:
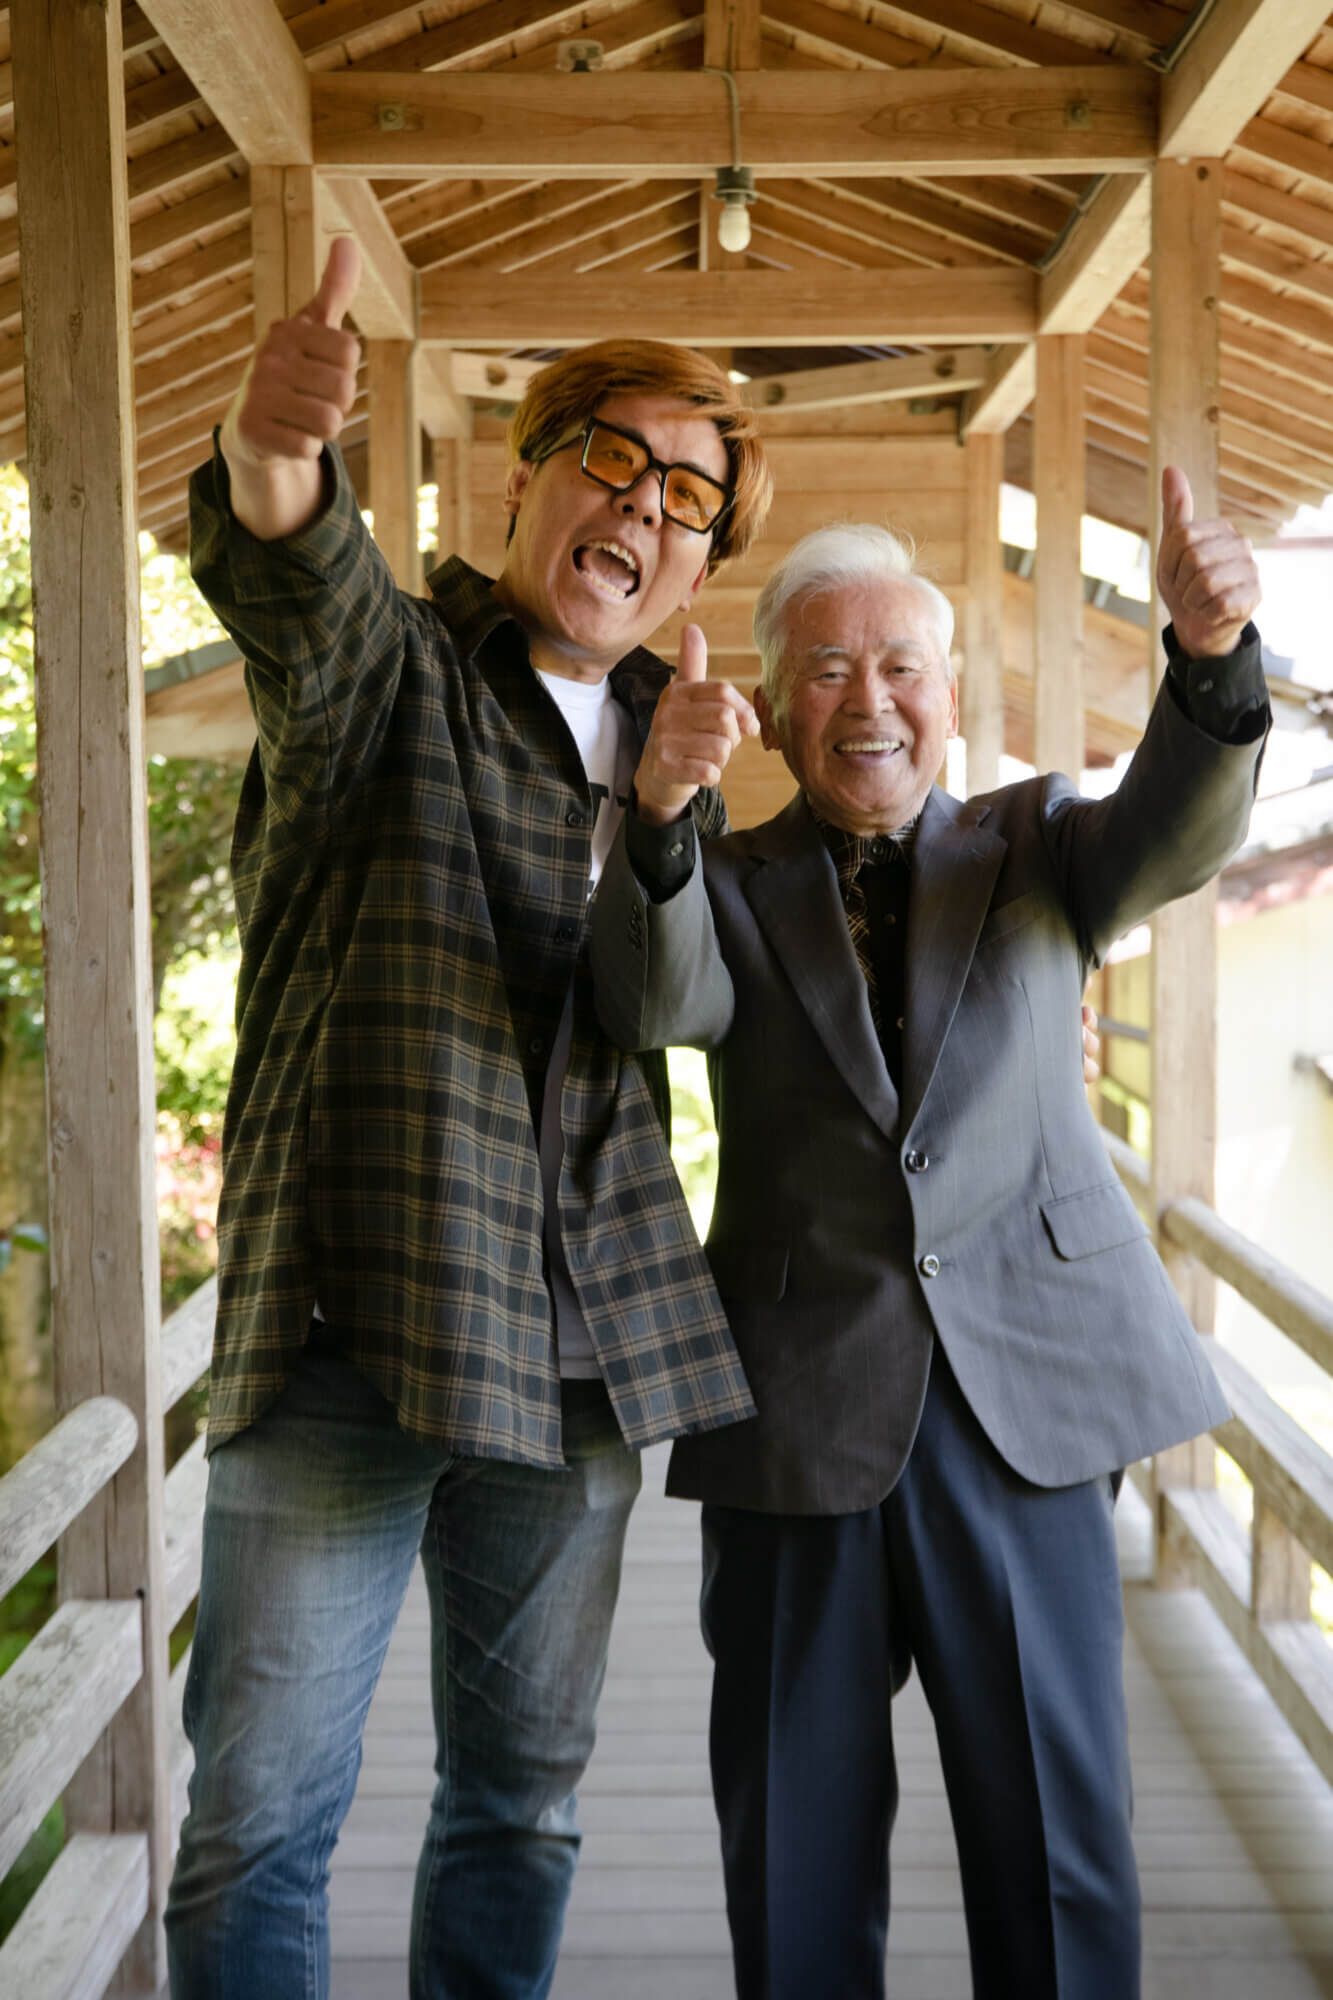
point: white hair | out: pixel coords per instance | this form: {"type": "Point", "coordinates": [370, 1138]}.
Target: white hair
{"type": "Point", "coordinates": [847, 552]}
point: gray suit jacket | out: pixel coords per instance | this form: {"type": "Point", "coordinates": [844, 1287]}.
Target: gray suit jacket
{"type": "Point", "coordinates": [852, 1227]}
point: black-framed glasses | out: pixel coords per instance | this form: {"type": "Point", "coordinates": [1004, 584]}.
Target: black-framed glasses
{"type": "Point", "coordinates": [619, 460]}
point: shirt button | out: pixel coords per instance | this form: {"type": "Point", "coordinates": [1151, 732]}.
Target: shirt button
{"type": "Point", "coordinates": [916, 1163]}
{"type": "Point", "coordinates": [929, 1266]}
{"type": "Point", "coordinates": [574, 817]}
{"type": "Point", "coordinates": [899, 1022]}
{"type": "Point", "coordinates": [563, 933]}
{"type": "Point", "coordinates": [536, 1046]}
{"type": "Point", "coordinates": [1205, 687]}
{"type": "Point", "coordinates": [676, 847]}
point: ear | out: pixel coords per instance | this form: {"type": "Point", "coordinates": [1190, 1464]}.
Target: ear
{"type": "Point", "coordinates": [953, 707]}
{"type": "Point", "coordinates": [763, 708]}
{"type": "Point", "coordinates": [517, 485]}
{"type": "Point", "coordinates": [696, 586]}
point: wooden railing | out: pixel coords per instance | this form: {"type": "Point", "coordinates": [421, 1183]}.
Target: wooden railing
{"type": "Point", "coordinates": [1259, 1583]}
{"type": "Point", "coordinates": [64, 1689]}
{"type": "Point", "coordinates": [68, 1683]}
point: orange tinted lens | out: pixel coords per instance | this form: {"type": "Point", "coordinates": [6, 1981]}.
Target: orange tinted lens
{"type": "Point", "coordinates": [692, 499]}
{"type": "Point", "coordinates": [617, 460]}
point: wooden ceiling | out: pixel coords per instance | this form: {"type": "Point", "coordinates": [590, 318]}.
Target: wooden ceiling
{"type": "Point", "coordinates": [938, 183]}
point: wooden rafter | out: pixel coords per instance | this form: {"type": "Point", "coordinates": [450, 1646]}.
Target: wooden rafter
{"type": "Point", "coordinates": [1080, 120]}
{"type": "Point", "coordinates": [722, 308]}
{"type": "Point", "coordinates": [245, 65]}
{"type": "Point", "coordinates": [1229, 68]}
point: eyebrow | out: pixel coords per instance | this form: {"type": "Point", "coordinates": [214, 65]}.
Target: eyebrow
{"type": "Point", "coordinates": [886, 646]}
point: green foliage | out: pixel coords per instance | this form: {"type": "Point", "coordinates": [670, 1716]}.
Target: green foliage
{"type": "Point", "coordinates": [693, 1133]}
{"type": "Point", "coordinates": [191, 804]}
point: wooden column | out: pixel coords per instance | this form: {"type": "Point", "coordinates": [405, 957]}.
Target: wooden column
{"type": "Point", "coordinates": [452, 460]}
{"type": "Point", "coordinates": [1058, 606]}
{"type": "Point", "coordinates": [73, 229]}
{"type": "Point", "coordinates": [1183, 1018]}
{"type": "Point", "coordinates": [983, 623]}
{"type": "Point", "coordinates": [395, 456]}
{"type": "Point", "coordinates": [285, 240]}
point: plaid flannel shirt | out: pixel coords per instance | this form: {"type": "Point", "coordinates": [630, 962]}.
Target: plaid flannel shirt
{"type": "Point", "coordinates": [411, 865]}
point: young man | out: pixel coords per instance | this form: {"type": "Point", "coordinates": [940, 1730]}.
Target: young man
{"type": "Point", "coordinates": [953, 1322]}
{"type": "Point", "coordinates": [458, 1286]}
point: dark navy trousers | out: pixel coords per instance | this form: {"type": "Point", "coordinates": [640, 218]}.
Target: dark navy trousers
{"type": "Point", "coordinates": [1006, 1598]}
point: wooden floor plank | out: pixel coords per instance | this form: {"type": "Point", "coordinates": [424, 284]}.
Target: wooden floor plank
{"type": "Point", "coordinates": [1234, 1827]}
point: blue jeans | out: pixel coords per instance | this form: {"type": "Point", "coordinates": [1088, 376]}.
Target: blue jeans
{"type": "Point", "coordinates": [313, 1520]}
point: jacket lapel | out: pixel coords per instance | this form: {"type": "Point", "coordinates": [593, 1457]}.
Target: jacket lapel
{"type": "Point", "coordinates": [955, 862]}
{"type": "Point", "coordinates": [793, 892]}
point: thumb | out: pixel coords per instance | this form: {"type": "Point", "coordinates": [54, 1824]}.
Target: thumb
{"type": "Point", "coordinates": [342, 275]}
{"type": "Point", "coordinates": [1177, 499]}
{"type": "Point", "coordinates": [692, 661]}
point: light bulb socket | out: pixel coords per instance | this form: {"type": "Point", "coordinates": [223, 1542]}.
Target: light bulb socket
{"type": "Point", "coordinates": [735, 186]}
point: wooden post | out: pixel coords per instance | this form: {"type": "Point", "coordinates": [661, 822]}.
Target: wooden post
{"type": "Point", "coordinates": [285, 242]}
{"type": "Point", "coordinates": [1185, 367]}
{"type": "Point", "coordinates": [1058, 606]}
{"type": "Point", "coordinates": [395, 456]}
{"type": "Point", "coordinates": [983, 624]}
{"type": "Point", "coordinates": [452, 459]}
{"type": "Point", "coordinates": [73, 228]}
{"type": "Point", "coordinates": [1280, 1569]}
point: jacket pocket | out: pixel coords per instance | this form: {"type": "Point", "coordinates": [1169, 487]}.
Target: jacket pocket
{"type": "Point", "coordinates": [1099, 1218]}
{"type": "Point", "coordinates": [756, 1271]}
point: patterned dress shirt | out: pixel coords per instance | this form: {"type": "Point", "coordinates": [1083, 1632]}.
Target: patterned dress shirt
{"type": "Point", "coordinates": [411, 867]}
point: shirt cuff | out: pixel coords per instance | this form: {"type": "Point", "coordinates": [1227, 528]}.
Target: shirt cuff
{"type": "Point", "coordinates": [1226, 697]}
{"type": "Point", "coordinates": [322, 540]}
{"type": "Point", "coordinates": [662, 857]}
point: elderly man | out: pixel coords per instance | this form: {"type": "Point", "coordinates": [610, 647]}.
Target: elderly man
{"type": "Point", "coordinates": [953, 1322]}
{"type": "Point", "coordinates": [457, 1282]}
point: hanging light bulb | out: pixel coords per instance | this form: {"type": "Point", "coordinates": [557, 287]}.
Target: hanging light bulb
{"type": "Point", "coordinates": [735, 184]}
{"type": "Point", "coordinates": [735, 190]}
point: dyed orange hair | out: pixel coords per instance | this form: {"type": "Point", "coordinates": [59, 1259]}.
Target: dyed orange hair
{"type": "Point", "coordinates": [565, 394]}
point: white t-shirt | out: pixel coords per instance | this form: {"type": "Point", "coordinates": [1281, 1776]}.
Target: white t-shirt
{"type": "Point", "coordinates": [604, 733]}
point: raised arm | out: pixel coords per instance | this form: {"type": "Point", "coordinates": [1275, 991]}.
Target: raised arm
{"type": "Point", "coordinates": [1183, 806]}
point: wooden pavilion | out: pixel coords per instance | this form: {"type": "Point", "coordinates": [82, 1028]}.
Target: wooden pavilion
{"type": "Point", "coordinates": [1059, 242]}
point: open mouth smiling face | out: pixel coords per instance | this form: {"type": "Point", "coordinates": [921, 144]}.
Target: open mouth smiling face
{"type": "Point", "coordinates": [592, 572]}
{"type": "Point", "coordinates": [611, 569]}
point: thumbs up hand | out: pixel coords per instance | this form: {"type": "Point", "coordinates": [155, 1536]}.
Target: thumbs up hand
{"type": "Point", "coordinates": [697, 725]}
{"type": "Point", "coordinates": [1206, 573]}
{"type": "Point", "coordinates": [293, 399]}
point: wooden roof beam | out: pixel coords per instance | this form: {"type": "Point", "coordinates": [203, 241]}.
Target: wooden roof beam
{"type": "Point", "coordinates": [385, 302]}
{"type": "Point", "coordinates": [940, 374]}
{"type": "Point", "coordinates": [1229, 68]}
{"type": "Point", "coordinates": [242, 60]}
{"type": "Point", "coordinates": [723, 308]}
{"type": "Point", "coordinates": [1088, 119]}
{"type": "Point", "coordinates": [1010, 385]}
{"type": "Point", "coordinates": [1103, 248]}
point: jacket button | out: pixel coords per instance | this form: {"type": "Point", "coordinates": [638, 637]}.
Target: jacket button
{"type": "Point", "coordinates": [929, 1266]}
{"type": "Point", "coordinates": [574, 817]}
{"type": "Point", "coordinates": [916, 1163]}
{"type": "Point", "coordinates": [563, 933]}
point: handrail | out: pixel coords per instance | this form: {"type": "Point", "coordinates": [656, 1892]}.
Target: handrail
{"type": "Point", "coordinates": [187, 1342]}
{"type": "Point", "coordinates": [70, 1682]}
{"type": "Point", "coordinates": [1298, 1308]}
{"type": "Point", "coordinates": [1259, 1583]}
{"type": "Point", "coordinates": [54, 1481]}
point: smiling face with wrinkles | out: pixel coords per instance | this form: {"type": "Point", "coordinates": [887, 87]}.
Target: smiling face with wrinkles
{"type": "Point", "coordinates": [590, 574]}
{"type": "Point", "coordinates": [865, 703]}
